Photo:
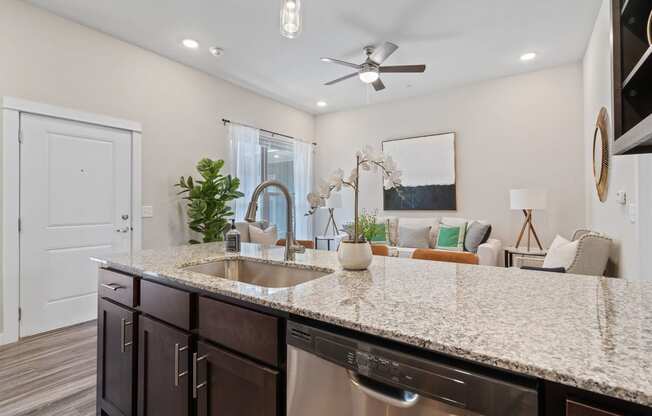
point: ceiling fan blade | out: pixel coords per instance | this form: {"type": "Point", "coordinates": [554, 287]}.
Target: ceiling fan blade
{"type": "Point", "coordinates": [337, 61]}
{"type": "Point", "coordinates": [378, 85]}
{"type": "Point", "coordinates": [335, 81]}
{"type": "Point", "coordinates": [403, 68]}
{"type": "Point", "coordinates": [382, 52]}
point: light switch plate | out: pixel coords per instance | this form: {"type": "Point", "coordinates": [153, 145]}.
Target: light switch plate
{"type": "Point", "coordinates": [633, 212]}
{"type": "Point", "coordinates": [148, 211]}
{"type": "Point", "coordinates": [621, 197]}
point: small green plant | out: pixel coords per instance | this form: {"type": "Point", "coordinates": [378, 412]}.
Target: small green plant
{"type": "Point", "coordinates": [368, 225]}
{"type": "Point", "coordinates": [208, 198]}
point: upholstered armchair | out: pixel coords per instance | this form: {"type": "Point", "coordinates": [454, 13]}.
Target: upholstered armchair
{"type": "Point", "coordinates": [592, 254]}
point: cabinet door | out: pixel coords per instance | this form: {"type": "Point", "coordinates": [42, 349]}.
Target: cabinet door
{"type": "Point", "coordinates": [163, 370]}
{"type": "Point", "coordinates": [229, 385]}
{"type": "Point", "coordinates": [116, 353]}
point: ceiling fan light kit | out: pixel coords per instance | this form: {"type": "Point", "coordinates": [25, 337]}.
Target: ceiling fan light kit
{"type": "Point", "coordinates": [290, 18]}
{"type": "Point", "coordinates": [369, 71]}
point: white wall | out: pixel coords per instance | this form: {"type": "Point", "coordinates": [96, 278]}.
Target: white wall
{"type": "Point", "coordinates": [611, 217]}
{"type": "Point", "coordinates": [519, 131]}
{"type": "Point", "coordinates": [48, 59]}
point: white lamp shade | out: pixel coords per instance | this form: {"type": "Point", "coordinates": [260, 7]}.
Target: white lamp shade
{"type": "Point", "coordinates": [528, 198]}
{"type": "Point", "coordinates": [335, 201]}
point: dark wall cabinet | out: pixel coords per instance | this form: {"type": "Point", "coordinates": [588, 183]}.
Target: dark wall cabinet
{"type": "Point", "coordinates": [154, 360]}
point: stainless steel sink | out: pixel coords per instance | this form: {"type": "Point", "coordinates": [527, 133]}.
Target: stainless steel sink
{"type": "Point", "coordinates": [257, 273]}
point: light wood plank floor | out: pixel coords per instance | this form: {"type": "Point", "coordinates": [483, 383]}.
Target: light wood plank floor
{"type": "Point", "coordinates": [50, 374]}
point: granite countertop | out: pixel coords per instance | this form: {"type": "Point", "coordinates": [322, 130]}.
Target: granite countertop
{"type": "Point", "coordinates": [589, 332]}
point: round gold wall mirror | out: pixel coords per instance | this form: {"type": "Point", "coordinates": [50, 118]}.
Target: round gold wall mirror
{"type": "Point", "coordinates": [601, 154]}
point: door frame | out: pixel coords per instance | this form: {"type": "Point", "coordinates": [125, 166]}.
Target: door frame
{"type": "Point", "coordinates": [12, 108]}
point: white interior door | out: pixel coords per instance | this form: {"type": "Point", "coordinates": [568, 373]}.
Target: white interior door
{"type": "Point", "coordinates": [75, 202]}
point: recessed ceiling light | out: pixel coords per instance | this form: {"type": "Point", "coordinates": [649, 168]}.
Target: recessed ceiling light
{"type": "Point", "coordinates": [215, 51]}
{"type": "Point", "coordinates": [321, 103]}
{"type": "Point", "coordinates": [190, 43]}
{"type": "Point", "coordinates": [276, 156]}
{"type": "Point", "coordinates": [528, 56]}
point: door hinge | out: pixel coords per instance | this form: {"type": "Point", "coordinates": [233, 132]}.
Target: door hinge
{"type": "Point", "coordinates": [20, 225]}
{"type": "Point", "coordinates": [20, 313]}
{"type": "Point", "coordinates": [20, 136]}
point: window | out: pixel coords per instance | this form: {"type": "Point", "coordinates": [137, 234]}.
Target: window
{"type": "Point", "coordinates": [256, 156]}
{"type": "Point", "coordinates": [277, 163]}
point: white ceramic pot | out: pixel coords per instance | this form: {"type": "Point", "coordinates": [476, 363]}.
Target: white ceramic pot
{"type": "Point", "coordinates": [354, 256]}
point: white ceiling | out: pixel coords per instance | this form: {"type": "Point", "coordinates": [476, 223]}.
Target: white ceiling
{"type": "Point", "coordinates": [460, 41]}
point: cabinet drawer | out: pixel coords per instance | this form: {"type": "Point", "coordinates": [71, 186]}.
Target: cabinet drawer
{"type": "Point", "coordinates": [578, 409]}
{"type": "Point", "coordinates": [166, 303]}
{"type": "Point", "coordinates": [118, 287]}
{"type": "Point", "coordinates": [251, 333]}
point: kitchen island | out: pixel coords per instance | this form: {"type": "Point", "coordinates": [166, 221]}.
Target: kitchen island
{"type": "Point", "coordinates": [590, 334]}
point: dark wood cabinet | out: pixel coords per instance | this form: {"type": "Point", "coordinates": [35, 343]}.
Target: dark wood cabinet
{"type": "Point", "coordinates": [163, 369]}
{"type": "Point", "coordinates": [230, 385]}
{"type": "Point", "coordinates": [250, 333]}
{"type": "Point", "coordinates": [574, 408]}
{"type": "Point", "coordinates": [116, 371]}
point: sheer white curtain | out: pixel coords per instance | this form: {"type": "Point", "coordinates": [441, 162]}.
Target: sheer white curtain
{"type": "Point", "coordinates": [245, 163]}
{"type": "Point", "coordinates": [303, 174]}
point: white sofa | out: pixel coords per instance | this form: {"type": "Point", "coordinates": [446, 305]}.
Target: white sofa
{"type": "Point", "coordinates": [488, 253]}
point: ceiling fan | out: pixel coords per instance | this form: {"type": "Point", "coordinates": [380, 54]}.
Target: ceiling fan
{"type": "Point", "coordinates": [369, 71]}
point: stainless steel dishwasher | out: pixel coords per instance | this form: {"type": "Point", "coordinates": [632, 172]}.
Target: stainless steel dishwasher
{"type": "Point", "coordinates": [332, 375]}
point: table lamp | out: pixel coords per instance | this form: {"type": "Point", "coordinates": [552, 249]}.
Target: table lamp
{"type": "Point", "coordinates": [528, 200]}
{"type": "Point", "coordinates": [335, 201]}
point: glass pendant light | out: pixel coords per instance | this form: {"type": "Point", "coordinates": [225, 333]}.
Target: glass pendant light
{"type": "Point", "coordinates": [290, 18]}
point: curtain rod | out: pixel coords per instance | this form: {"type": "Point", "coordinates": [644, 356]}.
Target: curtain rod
{"type": "Point", "coordinates": [227, 121]}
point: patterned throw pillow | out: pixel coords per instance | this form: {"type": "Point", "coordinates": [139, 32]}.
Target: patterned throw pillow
{"type": "Point", "coordinates": [451, 237]}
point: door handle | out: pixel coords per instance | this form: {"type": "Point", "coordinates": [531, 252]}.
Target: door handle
{"type": "Point", "coordinates": [122, 230]}
{"type": "Point", "coordinates": [123, 335]}
{"type": "Point", "coordinates": [406, 398]}
{"type": "Point", "coordinates": [112, 286]}
{"type": "Point", "coordinates": [195, 386]}
{"type": "Point", "coordinates": [177, 351]}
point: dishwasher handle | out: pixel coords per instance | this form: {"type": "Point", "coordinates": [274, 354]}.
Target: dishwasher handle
{"type": "Point", "coordinates": [405, 400]}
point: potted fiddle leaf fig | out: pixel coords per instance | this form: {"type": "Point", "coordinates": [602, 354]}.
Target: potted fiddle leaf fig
{"type": "Point", "coordinates": [208, 200]}
{"type": "Point", "coordinates": [355, 253]}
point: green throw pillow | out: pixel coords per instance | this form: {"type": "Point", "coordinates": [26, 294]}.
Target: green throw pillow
{"type": "Point", "coordinates": [379, 234]}
{"type": "Point", "coordinates": [451, 238]}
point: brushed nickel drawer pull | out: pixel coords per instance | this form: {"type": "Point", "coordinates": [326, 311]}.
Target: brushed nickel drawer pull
{"type": "Point", "coordinates": [195, 386]}
{"type": "Point", "coordinates": [123, 335]}
{"type": "Point", "coordinates": [112, 286]}
{"type": "Point", "coordinates": [177, 350]}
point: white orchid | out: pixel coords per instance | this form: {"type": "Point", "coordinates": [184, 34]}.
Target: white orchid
{"type": "Point", "coordinates": [368, 160]}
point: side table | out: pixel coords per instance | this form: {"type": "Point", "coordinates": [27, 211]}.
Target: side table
{"type": "Point", "coordinates": [522, 251]}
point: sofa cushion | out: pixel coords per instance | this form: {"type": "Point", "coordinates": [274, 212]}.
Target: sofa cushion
{"type": "Point", "coordinates": [445, 256]}
{"type": "Point", "coordinates": [476, 233]}
{"type": "Point", "coordinates": [451, 237]}
{"type": "Point", "coordinates": [415, 236]}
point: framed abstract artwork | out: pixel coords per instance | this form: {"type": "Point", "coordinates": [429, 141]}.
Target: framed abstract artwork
{"type": "Point", "coordinates": [428, 166]}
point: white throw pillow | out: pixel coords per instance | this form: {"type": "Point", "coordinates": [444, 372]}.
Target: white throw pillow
{"type": "Point", "coordinates": [266, 237]}
{"type": "Point", "coordinates": [561, 253]}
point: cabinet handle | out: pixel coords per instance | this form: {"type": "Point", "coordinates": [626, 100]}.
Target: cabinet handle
{"type": "Point", "coordinates": [195, 386]}
{"type": "Point", "coordinates": [123, 335]}
{"type": "Point", "coordinates": [112, 286]}
{"type": "Point", "coordinates": [177, 350]}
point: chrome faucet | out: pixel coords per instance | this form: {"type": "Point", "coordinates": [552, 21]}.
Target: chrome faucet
{"type": "Point", "coordinates": [291, 245]}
